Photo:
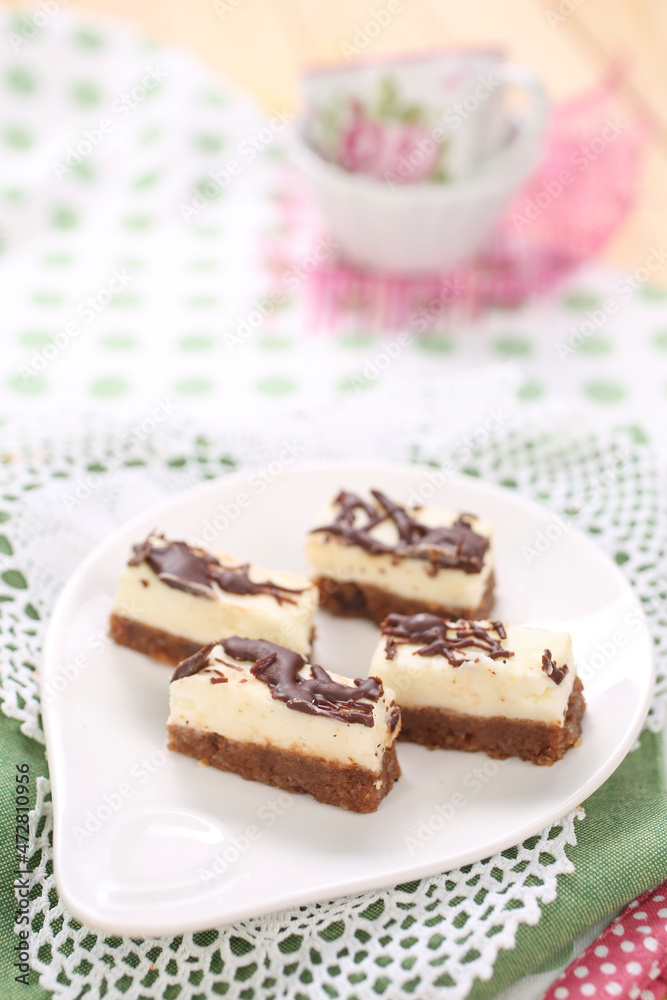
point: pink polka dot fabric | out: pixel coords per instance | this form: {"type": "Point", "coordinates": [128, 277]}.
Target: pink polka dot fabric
{"type": "Point", "coordinates": [629, 960]}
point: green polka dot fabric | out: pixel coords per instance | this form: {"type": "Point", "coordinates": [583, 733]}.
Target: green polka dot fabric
{"type": "Point", "coordinates": [126, 251]}
{"type": "Point", "coordinates": [154, 243]}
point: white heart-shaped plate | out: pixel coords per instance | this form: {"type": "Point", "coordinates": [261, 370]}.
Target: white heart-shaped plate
{"type": "Point", "coordinates": [147, 842]}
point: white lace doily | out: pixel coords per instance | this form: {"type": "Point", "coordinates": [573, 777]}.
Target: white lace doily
{"type": "Point", "coordinates": [430, 938]}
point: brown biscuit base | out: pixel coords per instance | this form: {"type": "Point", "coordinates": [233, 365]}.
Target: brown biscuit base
{"type": "Point", "coordinates": [155, 642]}
{"type": "Point", "coordinates": [348, 786]}
{"type": "Point", "coordinates": [498, 736]}
{"type": "Point", "coordinates": [351, 600]}
{"type": "Point", "coordinates": [151, 641]}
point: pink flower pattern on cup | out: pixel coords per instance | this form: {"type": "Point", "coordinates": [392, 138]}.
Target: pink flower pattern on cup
{"type": "Point", "coordinates": [397, 151]}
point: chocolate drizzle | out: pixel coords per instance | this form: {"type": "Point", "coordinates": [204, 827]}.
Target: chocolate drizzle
{"type": "Point", "coordinates": [195, 571]}
{"type": "Point", "coordinates": [454, 547]}
{"type": "Point", "coordinates": [279, 668]}
{"type": "Point", "coordinates": [194, 663]}
{"type": "Point", "coordinates": [439, 637]}
{"type": "Point", "coordinates": [316, 695]}
{"type": "Point", "coordinates": [551, 669]}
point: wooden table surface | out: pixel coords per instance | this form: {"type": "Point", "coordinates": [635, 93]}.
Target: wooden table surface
{"type": "Point", "coordinates": [264, 44]}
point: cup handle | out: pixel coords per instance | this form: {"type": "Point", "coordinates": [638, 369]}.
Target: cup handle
{"type": "Point", "coordinates": [530, 125]}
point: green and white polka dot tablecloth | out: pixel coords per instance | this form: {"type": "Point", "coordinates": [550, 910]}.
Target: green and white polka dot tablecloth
{"type": "Point", "coordinates": [144, 222]}
{"type": "Point", "coordinates": [153, 275]}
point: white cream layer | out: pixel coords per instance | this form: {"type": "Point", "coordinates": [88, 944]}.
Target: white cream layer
{"type": "Point", "coordinates": [243, 709]}
{"type": "Point", "coordinates": [515, 687]}
{"type": "Point", "coordinates": [404, 576]}
{"type": "Point", "coordinates": [203, 619]}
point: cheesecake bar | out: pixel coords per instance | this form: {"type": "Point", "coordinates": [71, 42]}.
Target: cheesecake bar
{"type": "Point", "coordinates": [182, 597]}
{"type": "Point", "coordinates": [260, 710]}
{"type": "Point", "coordinates": [374, 557]}
{"type": "Point", "coordinates": [509, 690]}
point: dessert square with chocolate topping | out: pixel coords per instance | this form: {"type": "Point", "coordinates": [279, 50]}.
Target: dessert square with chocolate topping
{"type": "Point", "coordinates": [260, 710]}
{"type": "Point", "coordinates": [372, 556]}
{"type": "Point", "coordinates": [509, 690]}
{"type": "Point", "coordinates": [174, 597]}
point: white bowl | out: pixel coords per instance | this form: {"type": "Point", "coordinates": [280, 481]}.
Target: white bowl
{"type": "Point", "coordinates": [426, 227]}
